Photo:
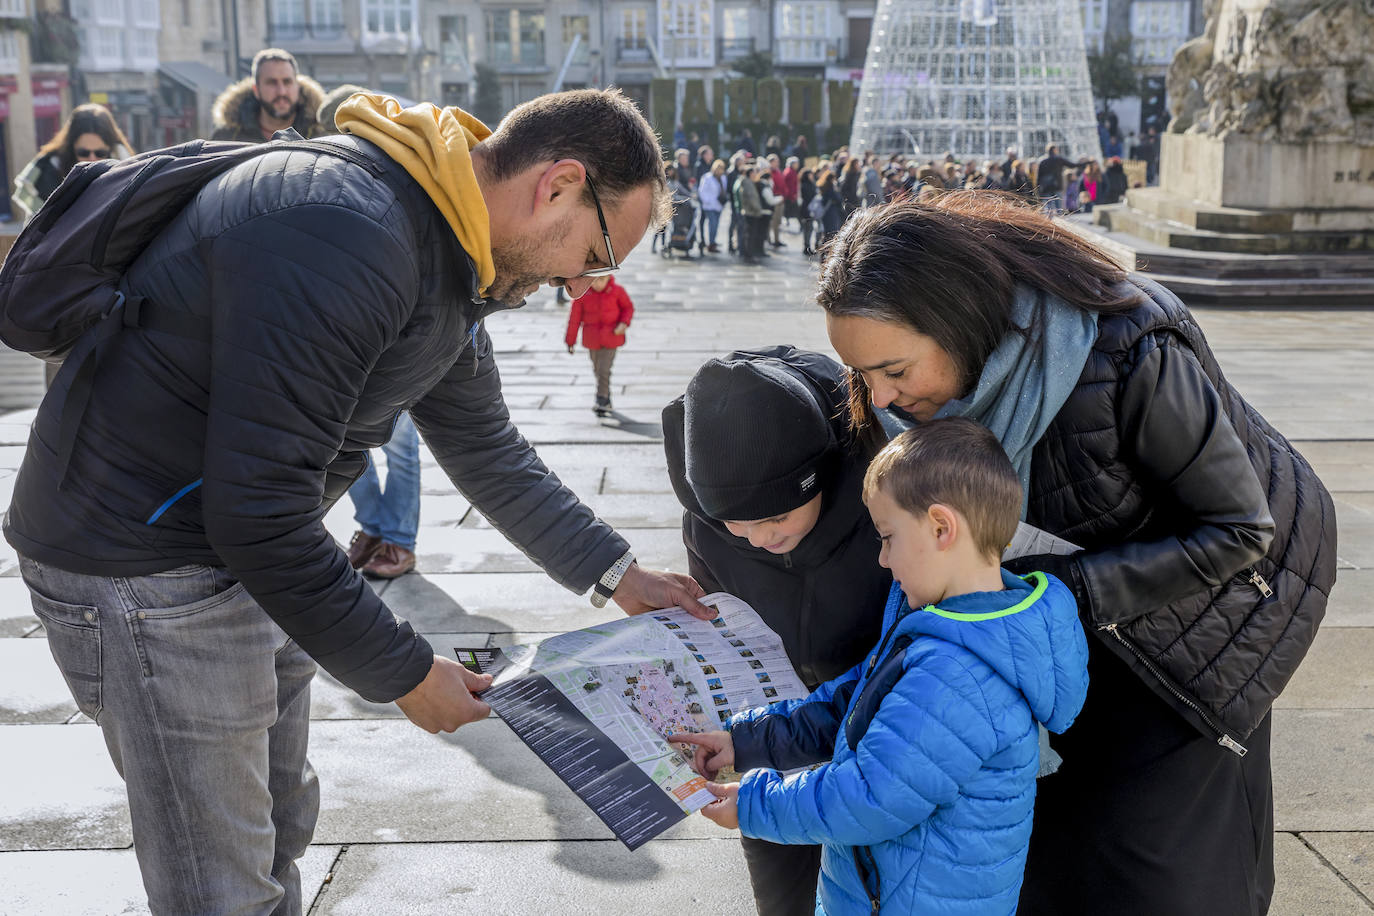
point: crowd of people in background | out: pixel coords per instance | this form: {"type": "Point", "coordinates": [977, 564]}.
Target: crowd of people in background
{"type": "Point", "coordinates": [785, 188]}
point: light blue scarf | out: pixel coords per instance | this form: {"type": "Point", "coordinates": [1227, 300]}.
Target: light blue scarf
{"type": "Point", "coordinates": [1024, 383]}
{"type": "Point", "coordinates": [1030, 375]}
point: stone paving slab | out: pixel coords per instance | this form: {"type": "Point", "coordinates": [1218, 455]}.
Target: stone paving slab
{"type": "Point", "coordinates": [386, 781]}
{"type": "Point", "coordinates": [1321, 769]}
{"type": "Point", "coordinates": [105, 882]}
{"type": "Point", "coordinates": [621, 510]}
{"type": "Point", "coordinates": [1351, 854]}
{"type": "Point", "coordinates": [1349, 605]}
{"type": "Point", "coordinates": [59, 790]}
{"type": "Point", "coordinates": [445, 550]}
{"type": "Point", "coordinates": [1304, 884]}
{"type": "Point", "coordinates": [1336, 674]}
{"type": "Point", "coordinates": [16, 613]}
{"type": "Point", "coordinates": [32, 690]}
{"type": "Point", "coordinates": [493, 602]}
{"type": "Point", "coordinates": [595, 878]}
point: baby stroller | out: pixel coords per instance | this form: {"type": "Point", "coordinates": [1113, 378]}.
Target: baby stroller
{"type": "Point", "coordinates": [682, 230]}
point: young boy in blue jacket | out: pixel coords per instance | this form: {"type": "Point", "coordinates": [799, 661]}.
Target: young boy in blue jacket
{"type": "Point", "coordinates": [926, 801]}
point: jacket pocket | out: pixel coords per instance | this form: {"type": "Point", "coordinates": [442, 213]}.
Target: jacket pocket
{"type": "Point", "coordinates": [73, 632]}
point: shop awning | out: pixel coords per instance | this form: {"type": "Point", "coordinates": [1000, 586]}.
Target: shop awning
{"type": "Point", "coordinates": [195, 76]}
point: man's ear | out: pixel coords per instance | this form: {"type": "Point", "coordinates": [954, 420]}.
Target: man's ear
{"type": "Point", "coordinates": [944, 525]}
{"type": "Point", "coordinates": [560, 182]}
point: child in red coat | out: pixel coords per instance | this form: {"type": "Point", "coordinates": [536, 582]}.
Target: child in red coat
{"type": "Point", "coordinates": [603, 312]}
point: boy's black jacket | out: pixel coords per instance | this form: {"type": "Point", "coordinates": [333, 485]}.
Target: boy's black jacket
{"type": "Point", "coordinates": [825, 599]}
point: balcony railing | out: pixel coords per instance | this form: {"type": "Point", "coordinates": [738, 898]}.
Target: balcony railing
{"type": "Point", "coordinates": [807, 50]}
{"type": "Point", "coordinates": [734, 48]}
{"type": "Point", "coordinates": [631, 51]}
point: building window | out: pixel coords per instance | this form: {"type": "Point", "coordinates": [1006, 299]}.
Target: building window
{"type": "Point", "coordinates": [453, 43]}
{"type": "Point", "coordinates": [15, 9]}
{"type": "Point", "coordinates": [805, 33]}
{"type": "Point", "coordinates": [515, 37]}
{"type": "Point", "coordinates": [9, 51]}
{"type": "Point", "coordinates": [143, 48]}
{"type": "Point", "coordinates": [109, 12]}
{"type": "Point", "coordinates": [1158, 29]}
{"type": "Point", "coordinates": [531, 38]}
{"type": "Point", "coordinates": [685, 32]}
{"type": "Point", "coordinates": [735, 40]}
{"type": "Point", "coordinates": [388, 17]}
{"type": "Point", "coordinates": [633, 41]}
{"type": "Point", "coordinates": [326, 18]}
{"type": "Point", "coordinates": [146, 14]}
{"type": "Point", "coordinates": [578, 27]}
{"type": "Point", "coordinates": [499, 50]}
{"type": "Point", "coordinates": [107, 44]}
{"type": "Point", "coordinates": [1094, 24]}
{"type": "Point", "coordinates": [288, 19]}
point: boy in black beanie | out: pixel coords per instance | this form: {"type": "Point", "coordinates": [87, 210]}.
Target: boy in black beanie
{"type": "Point", "coordinates": [769, 477]}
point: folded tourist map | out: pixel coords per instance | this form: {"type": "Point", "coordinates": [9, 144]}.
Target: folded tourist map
{"type": "Point", "coordinates": [594, 704]}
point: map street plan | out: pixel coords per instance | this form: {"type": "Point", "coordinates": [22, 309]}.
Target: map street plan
{"type": "Point", "coordinates": [595, 704]}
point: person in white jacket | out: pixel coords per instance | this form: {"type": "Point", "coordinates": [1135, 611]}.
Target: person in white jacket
{"type": "Point", "coordinates": [713, 195]}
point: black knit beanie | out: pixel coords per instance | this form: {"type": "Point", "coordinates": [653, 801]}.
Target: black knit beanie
{"type": "Point", "coordinates": [757, 440]}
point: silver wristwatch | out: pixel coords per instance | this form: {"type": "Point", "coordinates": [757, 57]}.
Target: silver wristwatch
{"type": "Point", "coordinates": [602, 591]}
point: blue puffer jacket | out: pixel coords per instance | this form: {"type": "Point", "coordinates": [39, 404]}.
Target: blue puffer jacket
{"type": "Point", "coordinates": [925, 806]}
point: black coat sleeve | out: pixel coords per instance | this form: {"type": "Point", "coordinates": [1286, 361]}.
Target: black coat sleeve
{"type": "Point", "coordinates": [1175, 433]}
{"type": "Point", "coordinates": [466, 424]}
{"type": "Point", "coordinates": [304, 299]}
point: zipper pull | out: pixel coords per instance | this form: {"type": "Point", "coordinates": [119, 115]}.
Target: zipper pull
{"type": "Point", "coordinates": [472, 339]}
{"type": "Point", "coordinates": [1231, 744]}
{"type": "Point", "coordinates": [1258, 582]}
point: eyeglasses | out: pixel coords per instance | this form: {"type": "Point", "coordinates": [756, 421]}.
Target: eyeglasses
{"type": "Point", "coordinates": [83, 153]}
{"type": "Point", "coordinates": [605, 234]}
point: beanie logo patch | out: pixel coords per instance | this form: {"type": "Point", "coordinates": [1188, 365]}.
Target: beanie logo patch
{"type": "Point", "coordinates": [808, 483]}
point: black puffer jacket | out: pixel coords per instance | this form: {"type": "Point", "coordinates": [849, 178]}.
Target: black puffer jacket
{"type": "Point", "coordinates": [1210, 544]}
{"type": "Point", "coordinates": [334, 305]}
{"type": "Point", "coordinates": [825, 598]}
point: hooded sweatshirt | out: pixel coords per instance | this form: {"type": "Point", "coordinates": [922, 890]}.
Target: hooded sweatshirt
{"type": "Point", "coordinates": [926, 804]}
{"type": "Point", "coordinates": [434, 146]}
{"type": "Point", "coordinates": [825, 598]}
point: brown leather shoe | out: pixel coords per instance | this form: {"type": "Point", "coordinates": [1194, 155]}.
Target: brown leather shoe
{"type": "Point", "coordinates": [390, 561]}
{"type": "Point", "coordinates": [362, 548]}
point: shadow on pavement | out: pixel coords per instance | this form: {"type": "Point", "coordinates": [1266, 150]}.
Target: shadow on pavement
{"type": "Point", "coordinates": [432, 611]}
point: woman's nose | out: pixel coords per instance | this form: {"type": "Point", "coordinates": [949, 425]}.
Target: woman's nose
{"type": "Point", "coordinates": [882, 395]}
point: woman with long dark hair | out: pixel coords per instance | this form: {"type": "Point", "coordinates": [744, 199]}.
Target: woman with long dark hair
{"type": "Point", "coordinates": [89, 135]}
{"type": "Point", "coordinates": [1207, 542]}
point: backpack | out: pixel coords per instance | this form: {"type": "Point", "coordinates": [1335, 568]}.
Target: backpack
{"type": "Point", "coordinates": [63, 275]}
{"type": "Point", "coordinates": [817, 207]}
{"type": "Point", "coordinates": [60, 286]}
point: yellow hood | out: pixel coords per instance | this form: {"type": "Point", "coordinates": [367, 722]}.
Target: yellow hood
{"type": "Point", "coordinates": [434, 145]}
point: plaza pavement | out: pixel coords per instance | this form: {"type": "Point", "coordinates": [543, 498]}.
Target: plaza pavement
{"type": "Point", "coordinates": [471, 822]}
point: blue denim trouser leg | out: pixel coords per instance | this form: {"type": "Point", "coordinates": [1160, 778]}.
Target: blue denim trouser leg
{"type": "Point", "coordinates": [392, 514]}
{"type": "Point", "coordinates": [204, 706]}
{"type": "Point", "coordinates": [712, 218]}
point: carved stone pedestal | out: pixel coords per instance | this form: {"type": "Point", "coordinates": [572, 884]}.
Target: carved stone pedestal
{"type": "Point", "coordinates": [1241, 221]}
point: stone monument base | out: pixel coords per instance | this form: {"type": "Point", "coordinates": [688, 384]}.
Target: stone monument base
{"type": "Point", "coordinates": [1242, 222]}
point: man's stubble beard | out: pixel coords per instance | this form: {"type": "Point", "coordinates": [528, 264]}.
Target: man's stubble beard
{"type": "Point", "coordinates": [518, 264]}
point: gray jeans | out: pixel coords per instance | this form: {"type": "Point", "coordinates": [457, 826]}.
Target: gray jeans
{"type": "Point", "coordinates": [204, 704]}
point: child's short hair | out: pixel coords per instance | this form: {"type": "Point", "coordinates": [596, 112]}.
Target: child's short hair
{"type": "Point", "coordinates": [958, 463]}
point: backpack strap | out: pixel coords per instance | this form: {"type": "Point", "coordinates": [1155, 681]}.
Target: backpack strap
{"type": "Point", "coordinates": [128, 311]}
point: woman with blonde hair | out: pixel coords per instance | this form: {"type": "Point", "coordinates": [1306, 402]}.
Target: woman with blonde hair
{"type": "Point", "coordinates": [89, 135]}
